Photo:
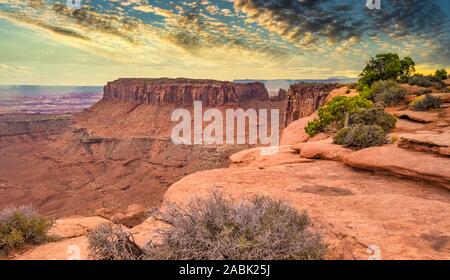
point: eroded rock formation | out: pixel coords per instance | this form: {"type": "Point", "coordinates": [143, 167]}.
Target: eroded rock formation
{"type": "Point", "coordinates": [183, 91]}
{"type": "Point", "coordinates": [305, 98]}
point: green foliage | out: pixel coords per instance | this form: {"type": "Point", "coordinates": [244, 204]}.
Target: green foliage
{"type": "Point", "coordinates": [387, 66]}
{"type": "Point", "coordinates": [216, 228]}
{"type": "Point", "coordinates": [20, 227]}
{"type": "Point", "coordinates": [388, 92]}
{"type": "Point", "coordinates": [441, 74]}
{"type": "Point", "coordinates": [373, 116]}
{"type": "Point", "coordinates": [426, 102]}
{"type": "Point", "coordinates": [360, 136]}
{"type": "Point", "coordinates": [335, 112]}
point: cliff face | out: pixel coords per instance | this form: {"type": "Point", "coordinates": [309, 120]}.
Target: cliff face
{"type": "Point", "coordinates": [183, 91]}
{"type": "Point", "coordinates": [305, 98]}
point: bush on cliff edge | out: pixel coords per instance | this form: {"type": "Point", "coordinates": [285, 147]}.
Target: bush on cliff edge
{"type": "Point", "coordinates": [217, 228]}
{"type": "Point", "coordinates": [20, 227]}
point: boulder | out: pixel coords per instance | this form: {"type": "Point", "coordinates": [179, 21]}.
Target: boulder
{"type": "Point", "coordinates": [400, 162]}
{"type": "Point", "coordinates": [254, 157]}
{"type": "Point", "coordinates": [295, 131]}
{"type": "Point", "coordinates": [135, 215]}
{"type": "Point", "coordinates": [438, 143]}
{"type": "Point", "coordinates": [423, 117]}
{"type": "Point", "coordinates": [75, 227]}
{"type": "Point", "coordinates": [68, 249]}
{"type": "Point", "coordinates": [321, 150]}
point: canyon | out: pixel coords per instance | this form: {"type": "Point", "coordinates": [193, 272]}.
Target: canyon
{"type": "Point", "coordinates": [117, 152]}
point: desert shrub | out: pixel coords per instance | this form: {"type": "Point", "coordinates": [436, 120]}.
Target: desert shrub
{"type": "Point", "coordinates": [217, 228]}
{"type": "Point", "coordinates": [424, 81]}
{"type": "Point", "coordinates": [108, 242]}
{"type": "Point", "coordinates": [441, 74]}
{"type": "Point", "coordinates": [335, 112]}
{"type": "Point", "coordinates": [360, 136]}
{"type": "Point", "coordinates": [373, 116]}
{"type": "Point", "coordinates": [388, 92]}
{"type": "Point", "coordinates": [20, 227]}
{"type": "Point", "coordinates": [422, 92]}
{"type": "Point", "coordinates": [426, 102]}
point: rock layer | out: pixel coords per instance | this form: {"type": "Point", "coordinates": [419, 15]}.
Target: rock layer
{"type": "Point", "coordinates": [183, 91]}
{"type": "Point", "coordinates": [305, 98]}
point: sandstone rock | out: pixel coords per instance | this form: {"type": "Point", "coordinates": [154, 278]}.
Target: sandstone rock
{"type": "Point", "coordinates": [444, 97]}
{"type": "Point", "coordinates": [423, 117]}
{"type": "Point", "coordinates": [396, 161]}
{"type": "Point", "coordinates": [182, 91]}
{"type": "Point", "coordinates": [69, 249]}
{"type": "Point", "coordinates": [322, 150]}
{"type": "Point", "coordinates": [295, 132]}
{"type": "Point", "coordinates": [438, 143]}
{"type": "Point", "coordinates": [341, 92]}
{"type": "Point", "coordinates": [104, 213]}
{"type": "Point", "coordinates": [254, 157]}
{"type": "Point", "coordinates": [408, 126]}
{"type": "Point", "coordinates": [447, 82]}
{"type": "Point", "coordinates": [75, 227]}
{"type": "Point", "coordinates": [306, 98]}
{"type": "Point", "coordinates": [352, 209]}
{"type": "Point", "coordinates": [135, 215]}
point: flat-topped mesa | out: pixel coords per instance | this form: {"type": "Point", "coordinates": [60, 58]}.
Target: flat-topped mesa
{"type": "Point", "coordinates": [305, 98]}
{"type": "Point", "coordinates": [183, 91]}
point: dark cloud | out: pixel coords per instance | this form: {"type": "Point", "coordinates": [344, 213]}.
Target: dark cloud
{"type": "Point", "coordinates": [309, 22]}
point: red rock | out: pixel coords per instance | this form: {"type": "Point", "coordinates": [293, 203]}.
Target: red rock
{"type": "Point", "coordinates": [75, 227]}
{"type": "Point", "coordinates": [135, 215]}
{"type": "Point", "coordinates": [182, 91]}
{"type": "Point", "coordinates": [352, 209]}
{"type": "Point", "coordinates": [295, 132]}
{"type": "Point", "coordinates": [254, 157]}
{"type": "Point", "coordinates": [400, 162]}
{"type": "Point", "coordinates": [321, 150]}
{"type": "Point", "coordinates": [424, 117]}
{"type": "Point", "coordinates": [306, 98]}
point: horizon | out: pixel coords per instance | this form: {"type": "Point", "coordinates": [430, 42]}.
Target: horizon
{"type": "Point", "coordinates": [46, 42]}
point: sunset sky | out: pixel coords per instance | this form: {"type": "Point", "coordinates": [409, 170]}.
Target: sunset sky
{"type": "Point", "coordinates": [47, 42]}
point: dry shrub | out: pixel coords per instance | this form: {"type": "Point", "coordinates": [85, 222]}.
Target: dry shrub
{"type": "Point", "coordinates": [219, 229]}
{"type": "Point", "coordinates": [20, 227]}
{"type": "Point", "coordinates": [360, 136]}
{"type": "Point", "coordinates": [108, 242]}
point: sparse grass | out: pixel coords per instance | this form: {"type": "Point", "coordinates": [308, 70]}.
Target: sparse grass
{"type": "Point", "coordinates": [20, 227]}
{"type": "Point", "coordinates": [217, 228]}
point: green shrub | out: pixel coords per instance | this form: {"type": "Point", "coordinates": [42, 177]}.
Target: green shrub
{"type": "Point", "coordinates": [218, 229]}
{"type": "Point", "coordinates": [360, 136]}
{"type": "Point", "coordinates": [335, 112]}
{"type": "Point", "coordinates": [373, 116]}
{"type": "Point", "coordinates": [422, 92]}
{"type": "Point", "coordinates": [441, 74]}
{"type": "Point", "coordinates": [388, 92]}
{"type": "Point", "coordinates": [20, 227]}
{"type": "Point", "coordinates": [426, 102]}
{"type": "Point", "coordinates": [107, 242]}
{"type": "Point", "coordinates": [424, 81]}
{"type": "Point", "coordinates": [387, 66]}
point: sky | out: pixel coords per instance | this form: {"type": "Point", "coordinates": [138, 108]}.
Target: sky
{"type": "Point", "coordinates": [48, 42]}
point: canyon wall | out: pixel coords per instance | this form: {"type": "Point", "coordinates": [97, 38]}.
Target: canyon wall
{"type": "Point", "coordinates": [183, 91]}
{"type": "Point", "coordinates": [303, 99]}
